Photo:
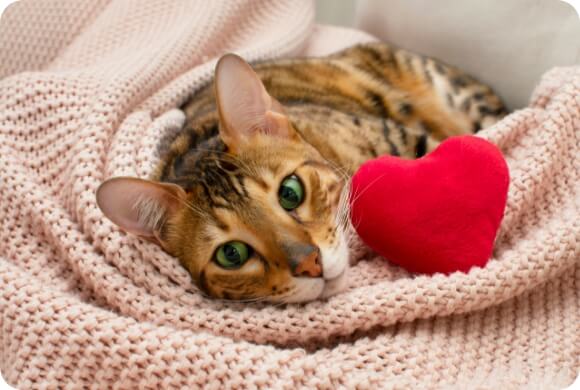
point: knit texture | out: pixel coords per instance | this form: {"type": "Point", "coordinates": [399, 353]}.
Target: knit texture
{"type": "Point", "coordinates": [89, 89]}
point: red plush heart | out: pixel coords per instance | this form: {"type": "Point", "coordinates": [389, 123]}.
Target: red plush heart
{"type": "Point", "coordinates": [440, 213]}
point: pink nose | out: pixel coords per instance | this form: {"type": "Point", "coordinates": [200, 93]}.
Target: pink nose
{"type": "Point", "coordinates": [309, 266]}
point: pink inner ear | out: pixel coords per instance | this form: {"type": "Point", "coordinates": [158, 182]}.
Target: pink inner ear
{"type": "Point", "coordinates": [244, 103]}
{"type": "Point", "coordinates": [277, 124]}
{"type": "Point", "coordinates": [135, 204]}
{"type": "Point", "coordinates": [242, 99]}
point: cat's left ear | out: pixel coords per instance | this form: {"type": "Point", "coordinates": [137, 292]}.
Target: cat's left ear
{"type": "Point", "coordinates": [138, 206]}
{"type": "Point", "coordinates": [245, 107]}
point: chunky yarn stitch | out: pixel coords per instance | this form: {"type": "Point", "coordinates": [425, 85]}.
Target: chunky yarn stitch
{"type": "Point", "coordinates": [89, 88]}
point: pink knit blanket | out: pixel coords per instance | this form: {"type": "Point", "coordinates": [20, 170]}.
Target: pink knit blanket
{"type": "Point", "coordinates": [89, 88]}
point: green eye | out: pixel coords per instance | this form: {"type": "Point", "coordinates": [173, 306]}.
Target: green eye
{"type": "Point", "coordinates": [232, 254]}
{"type": "Point", "coordinates": [291, 193]}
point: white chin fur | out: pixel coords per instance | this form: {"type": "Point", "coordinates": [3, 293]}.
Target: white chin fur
{"type": "Point", "coordinates": [335, 268]}
{"type": "Point", "coordinates": [336, 285]}
{"type": "Point", "coordinates": [307, 289]}
{"type": "Point", "coordinates": [335, 259]}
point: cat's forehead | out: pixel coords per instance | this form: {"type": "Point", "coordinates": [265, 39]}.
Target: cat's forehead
{"type": "Point", "coordinates": [227, 181]}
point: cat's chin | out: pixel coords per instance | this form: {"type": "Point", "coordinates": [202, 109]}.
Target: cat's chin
{"type": "Point", "coordinates": [336, 285]}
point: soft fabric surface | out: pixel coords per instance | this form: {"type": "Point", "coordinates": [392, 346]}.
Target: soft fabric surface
{"type": "Point", "coordinates": [86, 91]}
{"type": "Point", "coordinates": [439, 213]}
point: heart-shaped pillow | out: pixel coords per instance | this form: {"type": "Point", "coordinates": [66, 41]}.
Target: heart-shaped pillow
{"type": "Point", "coordinates": [440, 213]}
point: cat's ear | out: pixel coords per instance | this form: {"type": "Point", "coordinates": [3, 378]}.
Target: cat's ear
{"type": "Point", "coordinates": [139, 206]}
{"type": "Point", "coordinates": [245, 107]}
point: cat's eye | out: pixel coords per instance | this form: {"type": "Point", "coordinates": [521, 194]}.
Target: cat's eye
{"type": "Point", "coordinates": [232, 254]}
{"type": "Point", "coordinates": [291, 193]}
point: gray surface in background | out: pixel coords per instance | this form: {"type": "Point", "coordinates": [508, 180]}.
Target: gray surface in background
{"type": "Point", "coordinates": [336, 12]}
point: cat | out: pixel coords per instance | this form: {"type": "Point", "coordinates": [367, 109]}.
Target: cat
{"type": "Point", "coordinates": [252, 195]}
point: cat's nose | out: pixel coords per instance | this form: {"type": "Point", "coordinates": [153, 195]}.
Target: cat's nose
{"type": "Point", "coordinates": [309, 265]}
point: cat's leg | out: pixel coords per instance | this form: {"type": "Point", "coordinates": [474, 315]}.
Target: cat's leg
{"type": "Point", "coordinates": [436, 97]}
{"type": "Point", "coordinates": [459, 93]}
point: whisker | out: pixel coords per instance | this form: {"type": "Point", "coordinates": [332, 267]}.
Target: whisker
{"type": "Point", "coordinates": [281, 303]}
{"type": "Point", "coordinates": [366, 188]}
{"type": "Point", "coordinates": [343, 213]}
{"type": "Point", "coordinates": [190, 206]}
{"type": "Point", "coordinates": [234, 301]}
{"type": "Point", "coordinates": [341, 171]}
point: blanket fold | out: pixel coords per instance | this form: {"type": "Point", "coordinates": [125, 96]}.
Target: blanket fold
{"type": "Point", "coordinates": [91, 90]}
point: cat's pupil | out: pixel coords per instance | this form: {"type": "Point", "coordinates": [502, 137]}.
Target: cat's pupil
{"type": "Point", "coordinates": [232, 253]}
{"type": "Point", "coordinates": [289, 194]}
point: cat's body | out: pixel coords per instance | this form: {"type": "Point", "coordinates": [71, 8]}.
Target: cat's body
{"type": "Point", "coordinates": [355, 105]}
{"type": "Point", "coordinates": [242, 155]}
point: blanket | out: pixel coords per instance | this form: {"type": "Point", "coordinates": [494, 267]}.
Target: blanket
{"type": "Point", "coordinates": [88, 90]}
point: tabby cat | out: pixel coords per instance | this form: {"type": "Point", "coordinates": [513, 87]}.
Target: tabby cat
{"type": "Point", "coordinates": [252, 194]}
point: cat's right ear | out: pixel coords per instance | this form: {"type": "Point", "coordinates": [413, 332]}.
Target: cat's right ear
{"type": "Point", "coordinates": [245, 108]}
{"type": "Point", "coordinates": [138, 206]}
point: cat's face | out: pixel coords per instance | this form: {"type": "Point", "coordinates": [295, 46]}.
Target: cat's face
{"type": "Point", "coordinates": [268, 228]}
{"type": "Point", "coordinates": [264, 221]}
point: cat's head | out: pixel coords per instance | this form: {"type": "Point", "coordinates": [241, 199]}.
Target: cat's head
{"type": "Point", "coordinates": [264, 221]}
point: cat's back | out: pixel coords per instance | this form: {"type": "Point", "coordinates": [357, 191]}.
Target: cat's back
{"type": "Point", "coordinates": [347, 82]}
{"type": "Point", "coordinates": [360, 84]}
{"type": "Point", "coordinates": [378, 80]}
